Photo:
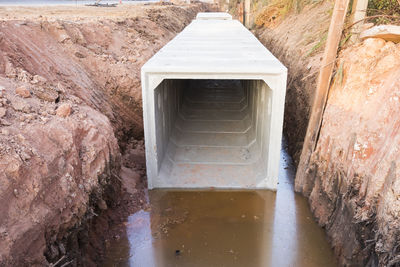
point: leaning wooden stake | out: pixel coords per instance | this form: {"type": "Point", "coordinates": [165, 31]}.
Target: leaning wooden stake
{"type": "Point", "coordinates": [241, 12]}
{"type": "Point", "coordinates": [247, 12]}
{"type": "Point", "coordinates": [323, 83]}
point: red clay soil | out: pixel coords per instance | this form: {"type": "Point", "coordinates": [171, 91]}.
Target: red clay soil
{"type": "Point", "coordinates": [70, 101]}
{"type": "Point", "coordinates": [97, 59]}
{"type": "Point", "coordinates": [353, 179]}
{"type": "Point", "coordinates": [352, 182]}
{"type": "Point", "coordinates": [51, 168]}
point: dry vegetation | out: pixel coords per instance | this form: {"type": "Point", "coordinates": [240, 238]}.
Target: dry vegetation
{"type": "Point", "coordinates": [275, 11]}
{"type": "Point", "coordinates": [270, 13]}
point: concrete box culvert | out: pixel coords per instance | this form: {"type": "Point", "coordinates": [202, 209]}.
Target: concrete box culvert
{"type": "Point", "coordinates": [213, 102]}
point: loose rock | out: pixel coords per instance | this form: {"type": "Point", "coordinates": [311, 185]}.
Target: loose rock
{"type": "Point", "coordinates": [37, 79]}
{"type": "Point", "coordinates": [5, 123]}
{"type": "Point", "coordinates": [102, 204]}
{"type": "Point", "coordinates": [23, 92]}
{"type": "Point", "coordinates": [385, 32]}
{"type": "Point", "coordinates": [64, 110]}
{"type": "Point", "coordinates": [20, 105]}
{"type": "Point", "coordinates": [5, 132]}
{"type": "Point", "coordinates": [46, 94]}
{"type": "Point", "coordinates": [79, 55]}
{"type": "Point", "coordinates": [10, 71]}
{"type": "Point", "coordinates": [23, 75]}
{"type": "Point", "coordinates": [3, 112]}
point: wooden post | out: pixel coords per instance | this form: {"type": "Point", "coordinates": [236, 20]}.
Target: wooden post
{"type": "Point", "coordinates": [323, 84]}
{"type": "Point", "coordinates": [226, 6]}
{"type": "Point", "coordinates": [247, 13]}
{"type": "Point", "coordinates": [240, 12]}
{"type": "Point", "coordinates": [359, 11]}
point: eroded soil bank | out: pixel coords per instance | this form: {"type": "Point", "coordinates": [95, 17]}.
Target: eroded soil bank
{"type": "Point", "coordinates": [70, 111]}
{"type": "Point", "coordinates": [353, 182]}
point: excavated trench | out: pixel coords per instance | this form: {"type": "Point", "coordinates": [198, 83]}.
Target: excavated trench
{"type": "Point", "coordinates": [84, 209]}
{"type": "Point", "coordinates": [89, 201]}
{"type": "Point", "coordinates": [207, 133]}
{"type": "Point", "coordinates": [216, 132]}
{"type": "Point", "coordinates": [213, 132]}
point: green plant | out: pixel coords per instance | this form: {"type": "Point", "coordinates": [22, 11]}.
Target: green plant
{"type": "Point", "coordinates": [345, 39]}
{"type": "Point", "coordinates": [318, 45]}
{"type": "Point", "coordinates": [339, 75]}
{"type": "Point", "coordinates": [388, 10]}
{"type": "Point", "coordinates": [387, 5]}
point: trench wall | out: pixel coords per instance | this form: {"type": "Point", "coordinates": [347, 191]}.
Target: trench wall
{"type": "Point", "coordinates": [353, 183]}
{"type": "Point", "coordinates": [59, 173]}
{"type": "Point", "coordinates": [298, 43]}
{"type": "Point", "coordinates": [353, 180]}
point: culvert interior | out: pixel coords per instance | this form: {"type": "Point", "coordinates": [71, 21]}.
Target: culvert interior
{"type": "Point", "coordinates": [212, 132]}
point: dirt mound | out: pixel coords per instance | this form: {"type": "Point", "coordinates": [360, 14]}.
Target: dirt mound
{"type": "Point", "coordinates": [69, 94]}
{"type": "Point", "coordinates": [353, 182]}
{"type": "Point", "coordinates": [95, 59]}
{"type": "Point", "coordinates": [52, 164]}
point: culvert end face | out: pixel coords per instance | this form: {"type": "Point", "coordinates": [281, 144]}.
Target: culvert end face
{"type": "Point", "coordinates": [213, 101]}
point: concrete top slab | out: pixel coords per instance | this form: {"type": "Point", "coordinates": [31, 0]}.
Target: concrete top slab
{"type": "Point", "coordinates": [214, 46]}
{"type": "Point", "coordinates": [214, 15]}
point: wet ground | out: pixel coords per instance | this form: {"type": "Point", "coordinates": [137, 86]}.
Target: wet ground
{"type": "Point", "coordinates": [224, 228]}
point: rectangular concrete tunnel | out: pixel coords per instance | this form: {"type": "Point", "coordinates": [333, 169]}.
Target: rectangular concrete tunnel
{"type": "Point", "coordinates": [213, 102]}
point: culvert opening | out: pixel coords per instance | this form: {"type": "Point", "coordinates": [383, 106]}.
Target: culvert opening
{"type": "Point", "coordinates": [212, 133]}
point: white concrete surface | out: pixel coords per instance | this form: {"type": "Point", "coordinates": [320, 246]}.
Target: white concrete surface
{"type": "Point", "coordinates": [213, 102]}
{"type": "Point", "coordinates": [214, 15]}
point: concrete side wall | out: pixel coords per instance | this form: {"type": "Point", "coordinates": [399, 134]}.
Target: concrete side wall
{"type": "Point", "coordinates": [167, 98]}
{"type": "Point", "coordinates": [263, 100]}
{"type": "Point", "coordinates": [260, 105]}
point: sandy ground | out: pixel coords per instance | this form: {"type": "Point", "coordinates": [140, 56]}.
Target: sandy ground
{"type": "Point", "coordinates": [76, 13]}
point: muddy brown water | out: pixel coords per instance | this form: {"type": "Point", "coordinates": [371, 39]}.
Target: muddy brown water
{"type": "Point", "coordinates": [224, 228]}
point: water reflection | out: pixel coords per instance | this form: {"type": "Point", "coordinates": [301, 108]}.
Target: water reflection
{"type": "Point", "coordinates": [285, 241]}
{"type": "Point", "coordinates": [224, 228]}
